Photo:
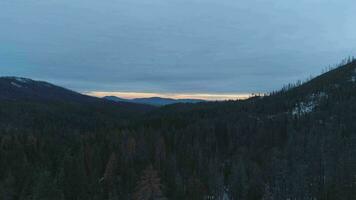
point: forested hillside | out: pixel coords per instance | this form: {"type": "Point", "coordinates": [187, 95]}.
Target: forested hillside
{"type": "Point", "coordinates": [39, 106]}
{"type": "Point", "coordinates": [296, 143]}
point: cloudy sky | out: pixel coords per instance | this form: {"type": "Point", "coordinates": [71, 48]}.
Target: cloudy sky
{"type": "Point", "coordinates": [174, 47]}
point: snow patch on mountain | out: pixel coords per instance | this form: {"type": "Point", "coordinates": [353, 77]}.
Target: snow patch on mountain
{"type": "Point", "coordinates": [47, 85]}
{"type": "Point", "coordinates": [16, 85]}
{"type": "Point", "coordinates": [353, 76]}
{"type": "Point", "coordinates": [22, 80]}
{"type": "Point", "coordinates": [309, 104]}
{"type": "Point", "coordinates": [303, 108]}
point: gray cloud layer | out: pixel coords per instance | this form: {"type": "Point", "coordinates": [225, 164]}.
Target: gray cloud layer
{"type": "Point", "coordinates": [209, 46]}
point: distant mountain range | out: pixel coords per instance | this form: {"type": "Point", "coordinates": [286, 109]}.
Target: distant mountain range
{"type": "Point", "coordinates": [16, 88]}
{"type": "Point", "coordinates": [154, 101]}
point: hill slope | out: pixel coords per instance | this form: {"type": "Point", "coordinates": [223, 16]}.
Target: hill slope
{"type": "Point", "coordinates": [28, 103]}
{"type": "Point", "coordinates": [297, 143]}
{"type": "Point", "coordinates": [15, 88]}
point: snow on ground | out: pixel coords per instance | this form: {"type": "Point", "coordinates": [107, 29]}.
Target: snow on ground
{"type": "Point", "coordinates": [353, 79]}
{"type": "Point", "coordinates": [303, 108]}
{"type": "Point", "coordinates": [16, 85]}
{"type": "Point", "coordinates": [223, 196]}
{"type": "Point", "coordinates": [22, 80]}
{"type": "Point", "coordinates": [309, 105]}
{"type": "Point", "coordinates": [353, 76]}
{"type": "Point", "coordinates": [47, 85]}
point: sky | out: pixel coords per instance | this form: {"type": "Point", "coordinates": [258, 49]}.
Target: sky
{"type": "Point", "coordinates": [211, 49]}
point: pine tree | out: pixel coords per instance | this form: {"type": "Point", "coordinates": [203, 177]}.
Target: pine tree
{"type": "Point", "coordinates": [160, 153]}
{"type": "Point", "coordinates": [149, 186]}
{"type": "Point", "coordinates": [46, 188]}
{"type": "Point", "coordinates": [110, 170]}
{"type": "Point", "coordinates": [109, 177]}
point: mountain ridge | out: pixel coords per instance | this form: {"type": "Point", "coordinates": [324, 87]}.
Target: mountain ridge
{"type": "Point", "coordinates": [155, 101]}
{"type": "Point", "coordinates": [24, 102]}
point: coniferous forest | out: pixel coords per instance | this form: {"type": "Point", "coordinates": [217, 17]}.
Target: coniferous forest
{"type": "Point", "coordinates": [296, 143]}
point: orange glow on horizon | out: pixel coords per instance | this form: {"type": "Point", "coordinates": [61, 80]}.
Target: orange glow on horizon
{"type": "Point", "coordinates": [203, 96]}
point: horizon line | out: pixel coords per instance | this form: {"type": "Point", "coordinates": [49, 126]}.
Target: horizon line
{"type": "Point", "coordinates": [201, 96]}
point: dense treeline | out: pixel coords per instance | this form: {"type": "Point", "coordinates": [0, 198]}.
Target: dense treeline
{"type": "Point", "coordinates": [298, 143]}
